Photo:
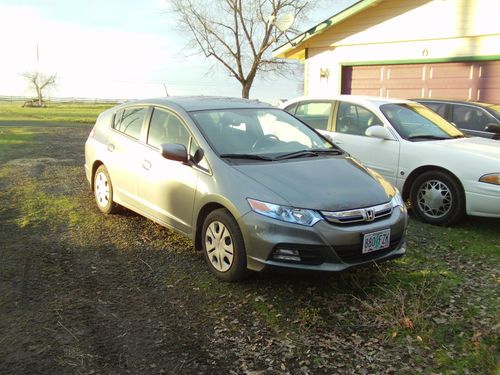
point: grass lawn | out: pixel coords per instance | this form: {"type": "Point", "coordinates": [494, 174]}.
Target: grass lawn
{"type": "Point", "coordinates": [81, 292]}
{"type": "Point", "coordinates": [54, 112]}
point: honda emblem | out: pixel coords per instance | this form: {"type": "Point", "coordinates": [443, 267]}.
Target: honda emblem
{"type": "Point", "coordinates": [369, 214]}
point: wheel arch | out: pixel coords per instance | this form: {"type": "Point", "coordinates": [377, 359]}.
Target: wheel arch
{"type": "Point", "coordinates": [427, 168]}
{"type": "Point", "coordinates": [97, 164]}
{"type": "Point", "coordinates": [202, 214]}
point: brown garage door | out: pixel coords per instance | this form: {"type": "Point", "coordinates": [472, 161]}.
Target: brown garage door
{"type": "Point", "coordinates": [478, 81]}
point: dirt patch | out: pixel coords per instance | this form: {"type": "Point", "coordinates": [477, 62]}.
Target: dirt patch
{"type": "Point", "coordinates": [81, 292]}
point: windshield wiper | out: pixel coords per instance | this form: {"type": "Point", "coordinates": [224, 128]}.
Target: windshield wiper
{"type": "Point", "coordinates": [308, 153]}
{"type": "Point", "coordinates": [333, 151]}
{"type": "Point", "coordinates": [428, 136]}
{"type": "Point", "coordinates": [246, 156]}
{"type": "Point", "coordinates": [297, 154]}
{"type": "Point", "coordinates": [459, 136]}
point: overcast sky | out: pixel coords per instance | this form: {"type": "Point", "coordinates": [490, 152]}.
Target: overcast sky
{"type": "Point", "coordinates": [117, 49]}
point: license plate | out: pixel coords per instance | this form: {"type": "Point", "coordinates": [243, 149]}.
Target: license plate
{"type": "Point", "coordinates": [376, 240]}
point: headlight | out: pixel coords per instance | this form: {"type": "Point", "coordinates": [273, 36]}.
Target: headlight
{"type": "Point", "coordinates": [284, 213]}
{"type": "Point", "coordinates": [492, 178]}
{"type": "Point", "coordinates": [397, 200]}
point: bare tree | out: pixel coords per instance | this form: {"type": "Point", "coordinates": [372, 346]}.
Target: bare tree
{"type": "Point", "coordinates": [39, 82]}
{"type": "Point", "coordinates": [238, 34]}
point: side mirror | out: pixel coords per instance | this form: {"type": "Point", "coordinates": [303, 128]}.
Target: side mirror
{"type": "Point", "coordinates": [378, 131]}
{"type": "Point", "coordinates": [492, 128]}
{"type": "Point", "coordinates": [174, 151]}
{"type": "Point", "coordinates": [327, 136]}
{"type": "Point", "coordinates": [198, 156]}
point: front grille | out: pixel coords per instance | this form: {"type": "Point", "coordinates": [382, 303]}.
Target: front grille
{"type": "Point", "coordinates": [353, 253]}
{"type": "Point", "coordinates": [358, 215]}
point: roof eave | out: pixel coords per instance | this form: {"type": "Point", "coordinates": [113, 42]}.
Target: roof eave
{"type": "Point", "coordinates": [294, 49]}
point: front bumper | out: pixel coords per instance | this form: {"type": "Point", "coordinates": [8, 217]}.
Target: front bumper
{"type": "Point", "coordinates": [323, 247]}
{"type": "Point", "coordinates": [482, 199]}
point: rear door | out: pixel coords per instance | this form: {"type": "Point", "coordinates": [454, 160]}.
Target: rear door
{"type": "Point", "coordinates": [123, 150]}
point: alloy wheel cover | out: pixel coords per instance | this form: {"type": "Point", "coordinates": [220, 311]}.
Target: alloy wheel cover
{"type": "Point", "coordinates": [434, 199]}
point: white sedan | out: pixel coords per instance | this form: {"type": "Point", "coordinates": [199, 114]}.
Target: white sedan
{"type": "Point", "coordinates": [441, 172]}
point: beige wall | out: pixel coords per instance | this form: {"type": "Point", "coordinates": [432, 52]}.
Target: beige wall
{"type": "Point", "coordinates": [403, 30]}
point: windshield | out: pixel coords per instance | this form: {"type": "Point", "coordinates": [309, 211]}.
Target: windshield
{"type": "Point", "coordinates": [415, 122]}
{"type": "Point", "coordinates": [258, 133]}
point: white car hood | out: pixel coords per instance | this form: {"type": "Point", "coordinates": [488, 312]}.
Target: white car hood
{"type": "Point", "coordinates": [479, 146]}
{"type": "Point", "coordinates": [482, 148]}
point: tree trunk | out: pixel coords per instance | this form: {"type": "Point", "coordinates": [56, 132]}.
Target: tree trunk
{"type": "Point", "coordinates": [40, 98]}
{"type": "Point", "coordinates": [245, 90]}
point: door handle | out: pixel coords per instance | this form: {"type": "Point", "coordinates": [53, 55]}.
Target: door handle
{"type": "Point", "coordinates": [111, 147]}
{"type": "Point", "coordinates": [146, 165]}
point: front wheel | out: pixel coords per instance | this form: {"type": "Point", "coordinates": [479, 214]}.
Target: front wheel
{"type": "Point", "coordinates": [223, 246]}
{"type": "Point", "coordinates": [437, 198]}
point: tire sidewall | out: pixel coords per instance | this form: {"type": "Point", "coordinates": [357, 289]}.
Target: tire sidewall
{"type": "Point", "coordinates": [238, 269]}
{"type": "Point", "coordinates": [110, 207]}
{"type": "Point", "coordinates": [458, 199]}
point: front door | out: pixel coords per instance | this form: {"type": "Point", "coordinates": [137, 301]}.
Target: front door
{"type": "Point", "coordinates": [349, 126]}
{"type": "Point", "coordinates": [167, 188]}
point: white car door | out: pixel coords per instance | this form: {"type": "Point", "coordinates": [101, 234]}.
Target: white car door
{"type": "Point", "coordinates": [350, 122]}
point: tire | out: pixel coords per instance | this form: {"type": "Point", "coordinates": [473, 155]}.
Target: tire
{"type": "Point", "coordinates": [437, 198]}
{"type": "Point", "coordinates": [223, 246]}
{"type": "Point", "coordinates": [103, 191]}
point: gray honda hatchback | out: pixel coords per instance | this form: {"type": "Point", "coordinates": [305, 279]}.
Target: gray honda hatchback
{"type": "Point", "coordinates": [250, 184]}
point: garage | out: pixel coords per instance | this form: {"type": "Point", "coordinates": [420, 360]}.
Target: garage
{"type": "Point", "coordinates": [477, 81]}
{"type": "Point", "coordinates": [407, 49]}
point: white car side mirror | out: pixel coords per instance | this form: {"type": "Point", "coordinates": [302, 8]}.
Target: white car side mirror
{"type": "Point", "coordinates": [328, 136]}
{"type": "Point", "coordinates": [378, 131]}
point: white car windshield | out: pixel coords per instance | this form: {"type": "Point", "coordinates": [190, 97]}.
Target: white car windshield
{"type": "Point", "coordinates": [415, 122]}
{"type": "Point", "coordinates": [258, 132]}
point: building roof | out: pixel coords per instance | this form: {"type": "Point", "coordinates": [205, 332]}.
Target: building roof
{"type": "Point", "coordinates": [292, 49]}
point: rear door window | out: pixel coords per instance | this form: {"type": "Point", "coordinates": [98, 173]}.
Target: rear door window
{"type": "Point", "coordinates": [129, 121]}
{"type": "Point", "coordinates": [315, 114]}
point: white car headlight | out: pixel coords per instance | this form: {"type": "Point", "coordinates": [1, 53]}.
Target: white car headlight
{"type": "Point", "coordinates": [289, 214]}
{"type": "Point", "coordinates": [492, 178]}
{"type": "Point", "coordinates": [397, 200]}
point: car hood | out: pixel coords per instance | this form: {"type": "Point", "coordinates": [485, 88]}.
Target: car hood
{"type": "Point", "coordinates": [479, 153]}
{"type": "Point", "coordinates": [482, 147]}
{"type": "Point", "coordinates": [321, 183]}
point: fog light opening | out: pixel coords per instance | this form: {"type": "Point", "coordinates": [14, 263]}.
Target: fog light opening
{"type": "Point", "coordinates": [287, 254]}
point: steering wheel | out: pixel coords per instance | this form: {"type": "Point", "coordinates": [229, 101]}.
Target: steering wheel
{"type": "Point", "coordinates": [265, 139]}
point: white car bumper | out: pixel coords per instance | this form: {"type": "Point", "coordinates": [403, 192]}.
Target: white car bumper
{"type": "Point", "coordinates": [482, 199]}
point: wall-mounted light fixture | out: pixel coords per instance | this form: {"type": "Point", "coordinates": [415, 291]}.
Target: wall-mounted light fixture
{"type": "Point", "coordinates": [324, 73]}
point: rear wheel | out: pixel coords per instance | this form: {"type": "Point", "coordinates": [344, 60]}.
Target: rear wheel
{"type": "Point", "coordinates": [437, 198]}
{"type": "Point", "coordinates": [103, 191]}
{"type": "Point", "coordinates": [223, 246]}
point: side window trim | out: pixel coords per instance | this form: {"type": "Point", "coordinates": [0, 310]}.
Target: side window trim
{"type": "Point", "coordinates": [333, 116]}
